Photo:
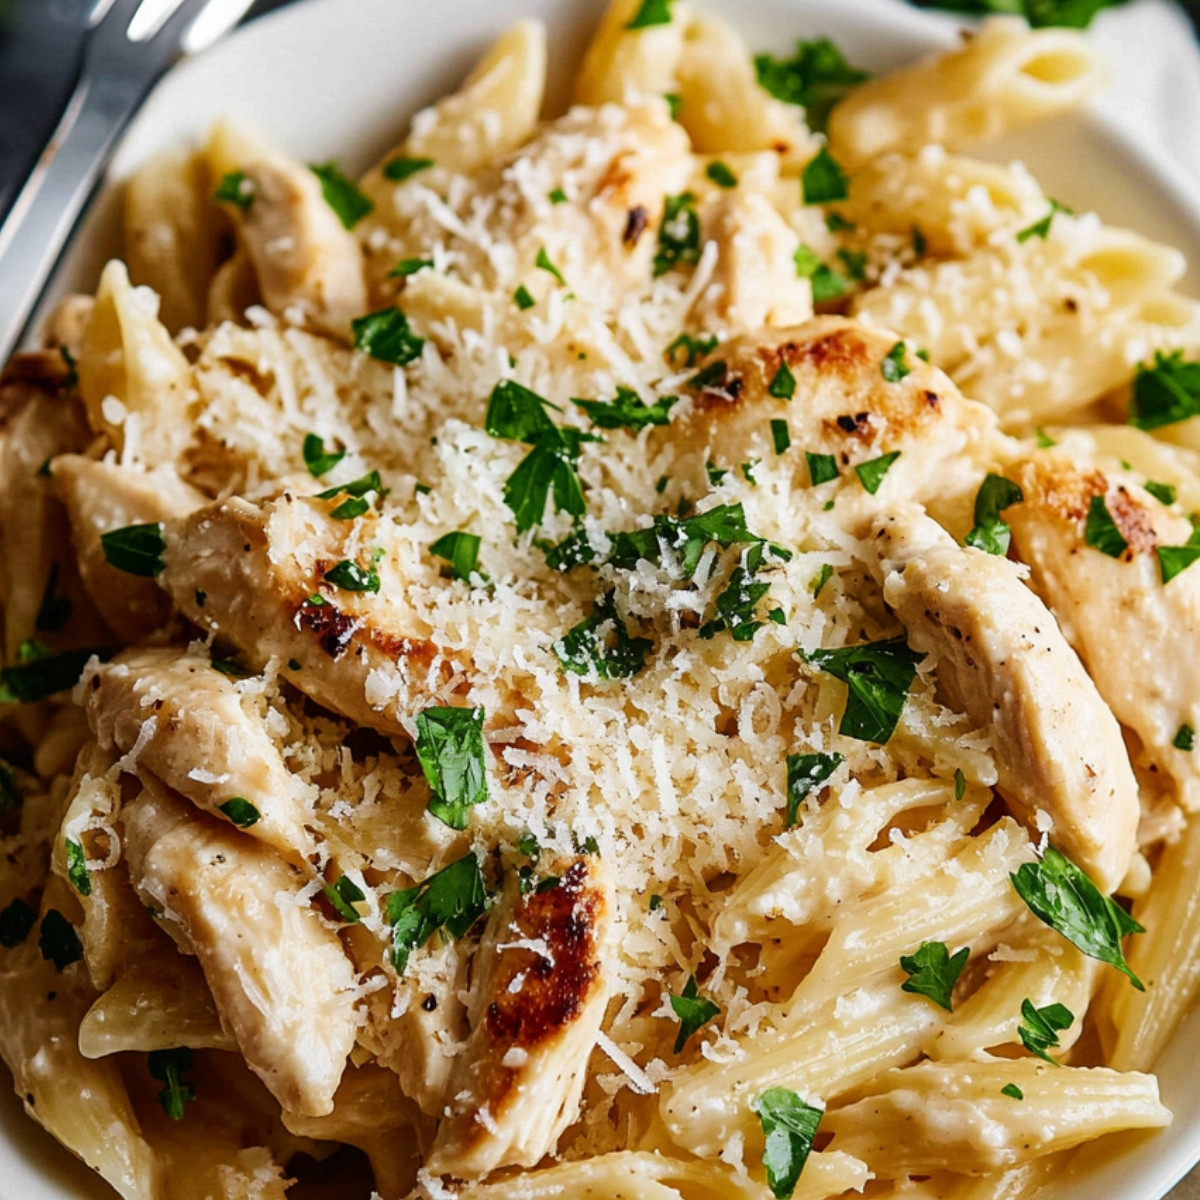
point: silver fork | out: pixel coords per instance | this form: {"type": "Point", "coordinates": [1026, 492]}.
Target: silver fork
{"type": "Point", "coordinates": [117, 75]}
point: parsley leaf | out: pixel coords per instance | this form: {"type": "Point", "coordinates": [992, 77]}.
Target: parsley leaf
{"type": "Point", "coordinates": [386, 336]}
{"type": "Point", "coordinates": [402, 168]}
{"type": "Point", "coordinates": [827, 284]}
{"type": "Point", "coordinates": [821, 467]}
{"type": "Point", "coordinates": [409, 266]}
{"type": "Point", "coordinates": [1040, 1027]}
{"type": "Point", "coordinates": [235, 189]}
{"type": "Point", "coordinates": [168, 1066]}
{"type": "Point", "coordinates": [341, 194]}
{"type": "Point", "coordinates": [40, 677]}
{"type": "Point", "coordinates": [790, 1126]}
{"type": "Point", "coordinates": [871, 472]}
{"type": "Point", "coordinates": [678, 234]}
{"type": "Point", "coordinates": [1173, 559]}
{"type": "Point", "coordinates": [241, 812]}
{"type": "Point", "coordinates": [824, 575]}
{"type": "Point", "coordinates": [895, 365]}
{"type": "Point", "coordinates": [693, 1010]}
{"type": "Point", "coordinates": [370, 482]}
{"type": "Point", "coordinates": [350, 577]}
{"type": "Point", "coordinates": [543, 263]}
{"type": "Point", "coordinates": [1164, 493]}
{"type": "Point", "coordinates": [823, 180]}
{"type": "Point", "coordinates": [933, 971]}
{"type": "Point", "coordinates": [16, 923]}
{"type": "Point", "coordinates": [1060, 894]}
{"type": "Point", "coordinates": [453, 899]}
{"type": "Point", "coordinates": [450, 750]}
{"type": "Point", "coordinates": [523, 299]}
{"type": "Point", "coordinates": [991, 534]}
{"type": "Point", "coordinates": [317, 459]}
{"type": "Point", "coordinates": [135, 549]}
{"type": "Point", "coordinates": [783, 385]}
{"type": "Point", "coordinates": [694, 349]}
{"type": "Point", "coordinates": [628, 410]}
{"type": "Point", "coordinates": [58, 941]}
{"type": "Point", "coordinates": [557, 196]}
{"type": "Point", "coordinates": [816, 77]}
{"type": "Point", "coordinates": [461, 551]}
{"type": "Point", "coordinates": [77, 871]}
{"type": "Point", "coordinates": [575, 550]}
{"type": "Point", "coordinates": [721, 175]}
{"type": "Point", "coordinates": [1012, 1091]}
{"type": "Point", "coordinates": [651, 12]}
{"type": "Point", "coordinates": [1165, 392]}
{"type": "Point", "coordinates": [1041, 229]}
{"type": "Point", "coordinates": [781, 435]}
{"type": "Point", "coordinates": [1184, 739]}
{"type": "Point", "coordinates": [343, 895]}
{"type": "Point", "coordinates": [806, 772]}
{"type": "Point", "coordinates": [55, 610]}
{"type": "Point", "coordinates": [878, 675]}
{"type": "Point", "coordinates": [602, 643]}
{"type": "Point", "coordinates": [736, 605]}
{"type": "Point", "coordinates": [1100, 530]}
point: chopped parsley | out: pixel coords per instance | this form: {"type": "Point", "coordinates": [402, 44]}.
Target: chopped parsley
{"type": "Point", "coordinates": [651, 12]}
{"type": "Point", "coordinates": [1100, 530]}
{"type": "Point", "coordinates": [991, 534]}
{"type": "Point", "coordinates": [409, 266]}
{"type": "Point", "coordinates": [736, 606]}
{"type": "Point", "coordinates": [236, 189]}
{"type": "Point", "coordinates": [827, 284]}
{"type": "Point", "coordinates": [575, 550]}
{"type": "Point", "coordinates": [386, 336]}
{"type": "Point", "coordinates": [816, 77]}
{"type": "Point", "coordinates": [317, 459]}
{"type": "Point", "coordinates": [344, 895]}
{"type": "Point", "coordinates": [716, 475]}
{"type": "Point", "coordinates": [1164, 493]}
{"type": "Point", "coordinates": [960, 783]}
{"type": "Point", "coordinates": [231, 667]}
{"type": "Point", "coordinates": [77, 871]}
{"type": "Point", "coordinates": [1060, 894]}
{"type": "Point", "coordinates": [1173, 559]}
{"type": "Point", "coordinates": [241, 812]}
{"type": "Point", "coordinates": [789, 1125]}
{"type": "Point", "coordinates": [1184, 739]}
{"type": "Point", "coordinates": [55, 609]}
{"type": "Point", "coordinates": [693, 1010]}
{"type": "Point", "coordinates": [17, 920]}
{"type": "Point", "coordinates": [168, 1066]}
{"type": "Point", "coordinates": [453, 899]}
{"type": "Point", "coordinates": [919, 244]}
{"type": "Point", "coordinates": [349, 204]}
{"type": "Point", "coordinates": [351, 577]}
{"type": "Point", "coordinates": [748, 471]}
{"type": "Point", "coordinates": [43, 675]}
{"type": "Point", "coordinates": [602, 644]}
{"type": "Point", "coordinates": [351, 509]}
{"type": "Point", "coordinates": [823, 180]}
{"type": "Point", "coordinates": [933, 971]}
{"type": "Point", "coordinates": [1044, 440]}
{"type": "Point", "coordinates": [878, 676]}
{"type": "Point", "coordinates": [543, 263]}
{"type": "Point", "coordinates": [895, 364]}
{"type": "Point", "coordinates": [450, 750]}
{"type": "Point", "coordinates": [1041, 229]}
{"type": "Point", "coordinates": [806, 773]}
{"type": "Point", "coordinates": [694, 349]}
{"type": "Point", "coordinates": [821, 467]}
{"type": "Point", "coordinates": [721, 175]}
{"type": "Point", "coordinates": [135, 549]}
{"type": "Point", "coordinates": [558, 196]}
{"type": "Point", "coordinates": [628, 410]}
{"type": "Point", "coordinates": [781, 435]}
{"type": "Point", "coordinates": [402, 168]}
{"type": "Point", "coordinates": [711, 377]}
{"type": "Point", "coordinates": [871, 472]}
{"type": "Point", "coordinates": [1012, 1091]}
{"type": "Point", "coordinates": [1040, 1027]}
{"type": "Point", "coordinates": [678, 234]}
{"type": "Point", "coordinates": [1165, 392]}
{"type": "Point", "coordinates": [783, 385]}
{"type": "Point", "coordinates": [523, 299]}
{"type": "Point", "coordinates": [461, 551]}
{"type": "Point", "coordinates": [855, 262]}
{"type": "Point", "coordinates": [58, 942]}
{"type": "Point", "coordinates": [824, 575]}
{"type": "Point", "coordinates": [1076, 14]}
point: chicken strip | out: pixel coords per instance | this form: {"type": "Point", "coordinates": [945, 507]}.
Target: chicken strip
{"type": "Point", "coordinates": [257, 568]}
{"type": "Point", "coordinates": [1002, 660]}
{"type": "Point", "coordinates": [280, 978]}
{"type": "Point", "coordinates": [1129, 627]}
{"type": "Point", "coordinates": [101, 497]}
{"type": "Point", "coordinates": [190, 727]}
{"type": "Point", "coordinates": [544, 981]}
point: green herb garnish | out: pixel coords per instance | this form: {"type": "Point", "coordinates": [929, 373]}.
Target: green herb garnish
{"type": "Point", "coordinates": [878, 676]}
{"type": "Point", "coordinates": [135, 549]}
{"type": "Point", "coordinates": [816, 77]}
{"type": "Point", "coordinates": [602, 644]}
{"type": "Point", "coordinates": [789, 1125]}
{"type": "Point", "coordinates": [386, 336]}
{"type": "Point", "coordinates": [823, 180]}
{"type": "Point", "coordinates": [453, 899]}
{"type": "Point", "coordinates": [991, 534]}
{"type": "Point", "coordinates": [343, 195]}
{"type": "Point", "coordinates": [805, 773]}
{"type": "Point", "coordinates": [628, 410]}
{"type": "Point", "coordinates": [933, 971]}
{"type": "Point", "coordinates": [693, 1010]}
{"type": "Point", "coordinates": [678, 234]}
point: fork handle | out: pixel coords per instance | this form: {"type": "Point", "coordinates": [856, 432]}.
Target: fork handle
{"type": "Point", "coordinates": [45, 213]}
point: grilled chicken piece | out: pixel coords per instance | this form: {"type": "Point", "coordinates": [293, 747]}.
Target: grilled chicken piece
{"type": "Point", "coordinates": [544, 981]}
{"type": "Point", "coordinates": [280, 978]}
{"type": "Point", "coordinates": [303, 257]}
{"type": "Point", "coordinates": [192, 730]}
{"type": "Point", "coordinates": [755, 282]}
{"type": "Point", "coordinates": [1002, 659]}
{"type": "Point", "coordinates": [843, 406]}
{"type": "Point", "coordinates": [364, 655]}
{"type": "Point", "coordinates": [100, 497]}
{"type": "Point", "coordinates": [1132, 630]}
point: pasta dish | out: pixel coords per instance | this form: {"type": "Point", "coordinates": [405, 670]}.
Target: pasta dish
{"type": "Point", "coordinates": [639, 653]}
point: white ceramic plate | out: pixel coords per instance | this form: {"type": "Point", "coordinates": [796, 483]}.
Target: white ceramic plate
{"type": "Point", "coordinates": [339, 78]}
